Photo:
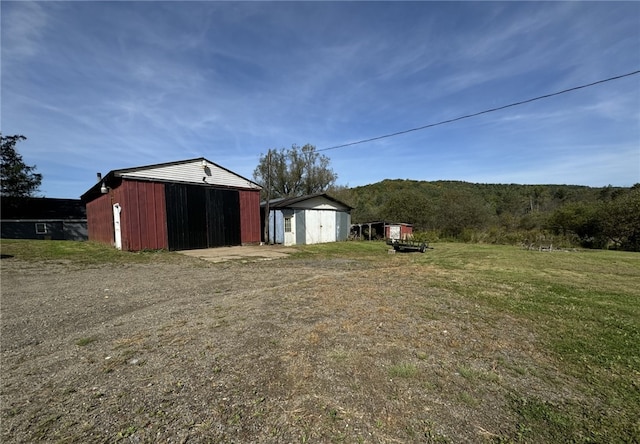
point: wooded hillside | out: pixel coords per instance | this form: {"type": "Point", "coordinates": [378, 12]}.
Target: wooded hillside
{"type": "Point", "coordinates": [607, 217]}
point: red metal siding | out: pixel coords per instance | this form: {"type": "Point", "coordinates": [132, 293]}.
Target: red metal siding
{"type": "Point", "coordinates": [100, 220]}
{"type": "Point", "coordinates": [143, 216]}
{"type": "Point", "coordinates": [250, 216]}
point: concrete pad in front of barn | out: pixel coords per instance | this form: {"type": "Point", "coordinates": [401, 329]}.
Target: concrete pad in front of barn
{"type": "Point", "coordinates": [246, 252]}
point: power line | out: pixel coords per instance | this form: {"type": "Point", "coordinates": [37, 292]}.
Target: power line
{"type": "Point", "coordinates": [522, 102]}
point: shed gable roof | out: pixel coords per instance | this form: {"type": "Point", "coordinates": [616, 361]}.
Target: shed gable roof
{"type": "Point", "coordinates": [308, 201]}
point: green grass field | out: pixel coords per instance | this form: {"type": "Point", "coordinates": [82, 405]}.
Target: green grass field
{"type": "Point", "coordinates": [89, 253]}
{"type": "Point", "coordinates": [583, 306]}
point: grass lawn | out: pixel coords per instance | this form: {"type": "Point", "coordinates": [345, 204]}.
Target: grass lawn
{"type": "Point", "coordinates": [584, 304]}
{"type": "Point", "coordinates": [79, 253]}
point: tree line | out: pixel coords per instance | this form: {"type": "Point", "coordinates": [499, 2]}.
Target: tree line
{"type": "Point", "coordinates": [569, 215]}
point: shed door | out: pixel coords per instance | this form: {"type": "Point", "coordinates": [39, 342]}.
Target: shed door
{"type": "Point", "coordinates": [327, 226]}
{"type": "Point", "coordinates": [201, 217]}
{"type": "Point", "coordinates": [320, 226]}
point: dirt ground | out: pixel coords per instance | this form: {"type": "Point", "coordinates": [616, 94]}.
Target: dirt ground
{"type": "Point", "coordinates": [287, 350]}
{"type": "Point", "coordinates": [243, 253]}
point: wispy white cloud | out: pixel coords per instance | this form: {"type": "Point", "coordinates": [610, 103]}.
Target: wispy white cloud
{"type": "Point", "coordinates": [23, 29]}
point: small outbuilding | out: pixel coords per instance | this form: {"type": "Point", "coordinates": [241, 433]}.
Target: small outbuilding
{"type": "Point", "coordinates": [180, 205]}
{"type": "Point", "coordinates": [43, 218]}
{"type": "Point", "coordinates": [382, 230]}
{"type": "Point", "coordinates": [311, 219]}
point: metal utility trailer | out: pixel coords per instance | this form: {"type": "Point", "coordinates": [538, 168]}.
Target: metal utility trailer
{"type": "Point", "coordinates": [407, 245]}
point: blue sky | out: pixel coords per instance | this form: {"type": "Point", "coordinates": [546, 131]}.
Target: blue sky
{"type": "Point", "coordinates": [97, 86]}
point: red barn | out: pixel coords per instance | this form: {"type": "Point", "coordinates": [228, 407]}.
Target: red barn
{"type": "Point", "coordinates": [176, 206]}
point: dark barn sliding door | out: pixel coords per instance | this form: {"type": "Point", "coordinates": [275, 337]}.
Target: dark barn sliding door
{"type": "Point", "coordinates": [201, 217]}
{"type": "Point", "coordinates": [186, 221]}
{"type": "Point", "coordinates": [223, 217]}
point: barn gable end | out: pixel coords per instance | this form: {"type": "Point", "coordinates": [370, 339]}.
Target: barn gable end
{"type": "Point", "coordinates": [197, 171]}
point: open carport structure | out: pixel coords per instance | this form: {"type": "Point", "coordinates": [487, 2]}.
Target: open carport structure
{"type": "Point", "coordinates": [381, 230]}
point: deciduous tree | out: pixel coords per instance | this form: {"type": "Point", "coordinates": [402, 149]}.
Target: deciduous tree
{"type": "Point", "coordinates": [296, 171]}
{"type": "Point", "coordinates": [408, 206]}
{"type": "Point", "coordinates": [620, 220]}
{"type": "Point", "coordinates": [460, 210]}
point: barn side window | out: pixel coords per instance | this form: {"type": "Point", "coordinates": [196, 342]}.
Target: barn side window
{"type": "Point", "coordinates": [287, 225]}
{"type": "Point", "coordinates": [41, 228]}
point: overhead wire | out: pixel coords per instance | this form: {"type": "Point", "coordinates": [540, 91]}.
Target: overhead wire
{"type": "Point", "coordinates": [487, 111]}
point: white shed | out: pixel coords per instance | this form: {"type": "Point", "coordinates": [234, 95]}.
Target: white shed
{"type": "Point", "coordinates": [311, 219]}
